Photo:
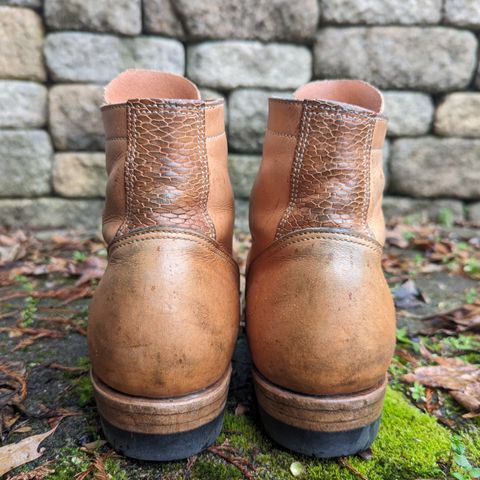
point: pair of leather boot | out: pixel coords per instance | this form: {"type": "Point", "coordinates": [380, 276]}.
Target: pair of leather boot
{"type": "Point", "coordinates": [165, 317]}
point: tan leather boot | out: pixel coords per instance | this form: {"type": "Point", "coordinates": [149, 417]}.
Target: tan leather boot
{"type": "Point", "coordinates": [164, 319]}
{"type": "Point", "coordinates": [320, 318]}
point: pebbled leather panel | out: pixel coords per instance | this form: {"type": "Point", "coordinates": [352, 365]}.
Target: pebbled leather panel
{"type": "Point", "coordinates": [166, 172]}
{"type": "Point", "coordinates": [330, 179]}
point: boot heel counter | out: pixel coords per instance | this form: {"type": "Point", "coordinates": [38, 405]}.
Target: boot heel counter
{"type": "Point", "coordinates": [320, 317]}
{"type": "Point", "coordinates": [164, 319]}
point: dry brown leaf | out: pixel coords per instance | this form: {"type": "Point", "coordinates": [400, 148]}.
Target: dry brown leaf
{"type": "Point", "coordinates": [24, 451]}
{"type": "Point", "coordinates": [460, 319]}
{"type": "Point", "coordinates": [92, 268]}
{"type": "Point", "coordinates": [39, 473]}
{"type": "Point", "coordinates": [462, 379]}
{"type": "Point", "coordinates": [454, 377]}
{"type": "Point", "coordinates": [22, 430]}
{"type": "Point", "coordinates": [8, 418]}
{"type": "Point", "coordinates": [13, 384]}
{"type": "Point", "coordinates": [469, 397]}
{"type": "Point", "coordinates": [92, 446]}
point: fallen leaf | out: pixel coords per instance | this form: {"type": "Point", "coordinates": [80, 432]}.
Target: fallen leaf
{"type": "Point", "coordinates": [13, 384]}
{"type": "Point", "coordinates": [24, 451]}
{"type": "Point", "coordinates": [461, 319]}
{"type": "Point", "coordinates": [92, 446]}
{"type": "Point", "coordinates": [66, 368]}
{"type": "Point", "coordinates": [469, 397]}
{"type": "Point", "coordinates": [39, 473]}
{"type": "Point", "coordinates": [460, 378]}
{"type": "Point", "coordinates": [8, 418]}
{"type": "Point", "coordinates": [449, 377]}
{"type": "Point", "coordinates": [92, 268]}
{"type": "Point", "coordinates": [395, 237]}
{"type": "Point", "coordinates": [22, 430]}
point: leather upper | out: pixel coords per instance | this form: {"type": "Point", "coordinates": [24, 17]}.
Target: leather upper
{"type": "Point", "coordinates": [164, 318]}
{"type": "Point", "coordinates": [157, 327]}
{"type": "Point", "coordinates": [167, 166]}
{"type": "Point", "coordinates": [295, 190]}
{"type": "Point", "coordinates": [320, 317]}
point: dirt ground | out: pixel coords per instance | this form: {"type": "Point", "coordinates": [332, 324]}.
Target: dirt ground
{"type": "Point", "coordinates": [431, 422]}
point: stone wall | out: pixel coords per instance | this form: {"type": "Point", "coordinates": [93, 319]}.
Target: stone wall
{"type": "Point", "coordinates": [56, 55]}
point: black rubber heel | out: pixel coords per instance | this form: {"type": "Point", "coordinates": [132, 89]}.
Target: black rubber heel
{"type": "Point", "coordinates": [320, 444]}
{"type": "Point", "coordinates": [162, 448]}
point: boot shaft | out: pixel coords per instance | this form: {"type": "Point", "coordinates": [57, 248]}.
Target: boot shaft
{"type": "Point", "coordinates": [322, 163]}
{"type": "Point", "coordinates": [166, 158]}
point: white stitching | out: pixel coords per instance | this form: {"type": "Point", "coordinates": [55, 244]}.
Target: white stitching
{"type": "Point", "coordinates": [296, 167]}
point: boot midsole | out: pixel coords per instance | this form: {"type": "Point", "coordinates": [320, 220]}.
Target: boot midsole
{"type": "Point", "coordinates": [329, 413]}
{"type": "Point", "coordinates": [161, 415]}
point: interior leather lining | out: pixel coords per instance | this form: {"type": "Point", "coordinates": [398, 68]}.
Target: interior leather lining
{"type": "Point", "coordinates": [352, 92]}
{"type": "Point", "coordinates": [137, 83]}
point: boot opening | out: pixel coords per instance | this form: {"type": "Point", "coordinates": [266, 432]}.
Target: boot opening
{"type": "Point", "coordinates": [134, 84]}
{"type": "Point", "coordinates": [351, 92]}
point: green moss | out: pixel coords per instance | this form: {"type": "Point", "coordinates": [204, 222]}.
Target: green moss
{"type": "Point", "coordinates": [242, 432]}
{"type": "Point", "coordinates": [73, 461]}
{"type": "Point", "coordinates": [410, 445]}
{"type": "Point", "coordinates": [84, 390]}
{"type": "Point", "coordinates": [70, 462]}
{"type": "Point", "coordinates": [471, 440]}
{"type": "Point", "coordinates": [114, 469]}
{"type": "Point", "coordinates": [215, 471]}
